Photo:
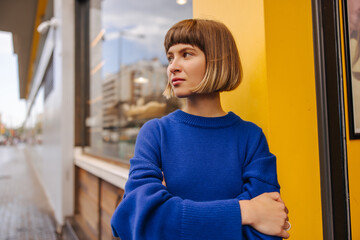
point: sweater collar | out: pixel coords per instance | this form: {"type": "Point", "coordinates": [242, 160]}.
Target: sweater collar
{"type": "Point", "coordinates": [205, 122]}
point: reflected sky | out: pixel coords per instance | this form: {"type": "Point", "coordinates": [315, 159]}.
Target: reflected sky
{"type": "Point", "coordinates": [135, 29]}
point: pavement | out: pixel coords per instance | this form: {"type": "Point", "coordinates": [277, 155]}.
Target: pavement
{"type": "Point", "coordinates": [25, 212]}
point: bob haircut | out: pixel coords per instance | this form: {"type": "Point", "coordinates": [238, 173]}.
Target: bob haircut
{"type": "Point", "coordinates": [223, 66]}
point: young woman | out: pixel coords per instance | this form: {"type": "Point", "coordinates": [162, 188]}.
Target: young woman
{"type": "Point", "coordinates": [221, 180]}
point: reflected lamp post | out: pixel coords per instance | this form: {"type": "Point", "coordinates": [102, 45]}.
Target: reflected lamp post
{"type": "Point", "coordinates": [115, 133]}
{"type": "Point", "coordinates": [122, 34]}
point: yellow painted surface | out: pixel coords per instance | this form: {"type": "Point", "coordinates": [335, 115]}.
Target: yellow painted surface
{"type": "Point", "coordinates": [353, 148]}
{"type": "Point", "coordinates": [353, 153]}
{"type": "Point", "coordinates": [40, 12]}
{"type": "Point", "coordinates": [278, 93]}
{"type": "Point", "coordinates": [245, 19]}
{"type": "Point", "coordinates": [293, 115]}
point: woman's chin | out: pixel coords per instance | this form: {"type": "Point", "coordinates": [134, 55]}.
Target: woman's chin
{"type": "Point", "coordinates": [182, 94]}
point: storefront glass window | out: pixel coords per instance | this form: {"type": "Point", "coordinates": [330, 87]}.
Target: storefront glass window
{"type": "Point", "coordinates": [128, 70]}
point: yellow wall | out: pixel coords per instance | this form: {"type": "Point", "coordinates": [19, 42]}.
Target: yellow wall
{"type": "Point", "coordinates": [353, 148]}
{"type": "Point", "coordinates": [353, 153]}
{"type": "Point", "coordinates": [278, 94]}
{"type": "Point", "coordinates": [293, 114]}
{"type": "Point", "coordinates": [250, 37]}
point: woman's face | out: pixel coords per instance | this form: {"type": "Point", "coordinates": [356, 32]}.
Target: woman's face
{"type": "Point", "coordinates": [187, 66]}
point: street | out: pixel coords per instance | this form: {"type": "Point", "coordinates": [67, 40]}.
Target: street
{"type": "Point", "coordinates": [24, 210]}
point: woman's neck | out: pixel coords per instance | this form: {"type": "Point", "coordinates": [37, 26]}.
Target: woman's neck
{"type": "Point", "coordinates": [205, 105]}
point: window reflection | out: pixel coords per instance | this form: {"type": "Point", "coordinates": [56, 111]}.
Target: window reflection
{"type": "Point", "coordinates": [128, 70]}
{"type": "Point", "coordinates": [354, 44]}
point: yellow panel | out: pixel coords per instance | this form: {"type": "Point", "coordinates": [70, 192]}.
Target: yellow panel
{"type": "Point", "coordinates": [278, 93]}
{"type": "Point", "coordinates": [40, 12]}
{"type": "Point", "coordinates": [245, 19]}
{"type": "Point", "coordinates": [293, 116]}
{"type": "Point", "coordinates": [353, 154]}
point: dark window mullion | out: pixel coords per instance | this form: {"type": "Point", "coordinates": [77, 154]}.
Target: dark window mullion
{"type": "Point", "coordinates": [332, 150]}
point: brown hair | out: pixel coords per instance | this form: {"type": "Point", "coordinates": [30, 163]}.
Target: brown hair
{"type": "Point", "coordinates": [223, 66]}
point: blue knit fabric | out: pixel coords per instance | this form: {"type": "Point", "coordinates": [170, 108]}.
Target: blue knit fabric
{"type": "Point", "coordinates": [209, 164]}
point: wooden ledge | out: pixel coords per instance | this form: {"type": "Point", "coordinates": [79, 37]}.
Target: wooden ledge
{"type": "Point", "coordinates": [111, 173]}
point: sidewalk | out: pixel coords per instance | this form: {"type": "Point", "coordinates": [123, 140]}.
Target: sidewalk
{"type": "Point", "coordinates": [24, 211]}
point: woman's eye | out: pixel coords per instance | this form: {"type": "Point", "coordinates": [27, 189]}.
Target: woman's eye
{"type": "Point", "coordinates": [186, 54]}
{"type": "Point", "coordinates": [170, 59]}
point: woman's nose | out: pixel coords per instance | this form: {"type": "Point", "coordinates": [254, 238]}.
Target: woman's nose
{"type": "Point", "coordinates": [174, 66]}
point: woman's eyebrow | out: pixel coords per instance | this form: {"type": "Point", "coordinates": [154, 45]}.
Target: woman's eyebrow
{"type": "Point", "coordinates": [183, 50]}
{"type": "Point", "coordinates": [187, 49]}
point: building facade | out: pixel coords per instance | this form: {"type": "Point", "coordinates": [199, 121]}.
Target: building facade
{"type": "Point", "coordinates": [95, 71]}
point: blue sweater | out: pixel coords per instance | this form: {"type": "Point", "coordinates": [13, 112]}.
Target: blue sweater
{"type": "Point", "coordinates": [209, 164]}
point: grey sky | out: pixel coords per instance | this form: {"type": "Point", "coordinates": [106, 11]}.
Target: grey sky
{"type": "Point", "coordinates": [151, 19]}
{"type": "Point", "coordinates": [12, 108]}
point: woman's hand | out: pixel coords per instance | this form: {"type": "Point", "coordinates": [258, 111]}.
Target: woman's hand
{"type": "Point", "coordinates": [267, 214]}
{"type": "Point", "coordinates": [163, 181]}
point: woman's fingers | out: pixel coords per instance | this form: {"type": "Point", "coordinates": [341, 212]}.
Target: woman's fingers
{"type": "Point", "coordinates": [271, 215]}
{"type": "Point", "coordinates": [285, 234]}
{"type": "Point", "coordinates": [286, 209]}
{"type": "Point", "coordinates": [163, 181]}
{"type": "Point", "coordinates": [274, 195]}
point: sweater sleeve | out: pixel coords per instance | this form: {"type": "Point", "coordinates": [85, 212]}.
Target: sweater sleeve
{"type": "Point", "coordinates": [149, 211]}
{"type": "Point", "coordinates": [259, 176]}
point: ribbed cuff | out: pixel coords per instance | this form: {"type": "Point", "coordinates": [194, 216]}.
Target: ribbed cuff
{"type": "Point", "coordinates": [211, 220]}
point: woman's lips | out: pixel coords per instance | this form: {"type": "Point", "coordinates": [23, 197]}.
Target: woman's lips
{"type": "Point", "coordinates": [177, 81]}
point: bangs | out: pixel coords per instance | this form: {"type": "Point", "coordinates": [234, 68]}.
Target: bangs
{"type": "Point", "coordinates": [185, 32]}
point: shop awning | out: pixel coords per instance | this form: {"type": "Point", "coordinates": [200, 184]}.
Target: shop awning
{"type": "Point", "coordinates": [21, 17]}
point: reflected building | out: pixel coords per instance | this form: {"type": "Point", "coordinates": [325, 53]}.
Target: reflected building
{"type": "Point", "coordinates": [129, 99]}
{"type": "Point", "coordinates": [127, 77]}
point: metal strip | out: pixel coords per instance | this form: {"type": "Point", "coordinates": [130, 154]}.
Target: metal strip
{"type": "Point", "coordinates": [328, 231]}
{"type": "Point", "coordinates": [40, 71]}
